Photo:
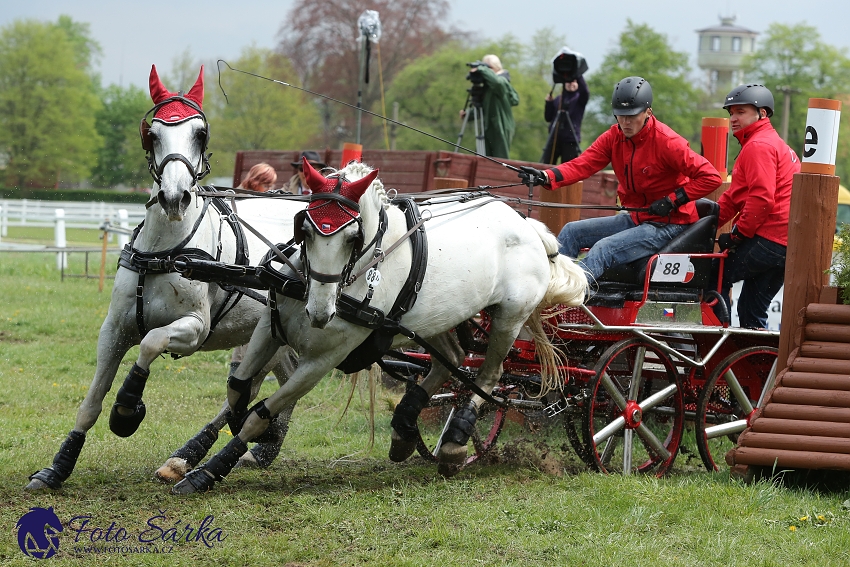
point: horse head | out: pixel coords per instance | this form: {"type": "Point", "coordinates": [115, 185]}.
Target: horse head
{"type": "Point", "coordinates": [175, 142]}
{"type": "Point", "coordinates": [332, 229]}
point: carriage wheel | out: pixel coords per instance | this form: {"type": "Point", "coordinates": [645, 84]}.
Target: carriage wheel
{"type": "Point", "coordinates": [435, 418]}
{"type": "Point", "coordinates": [634, 415]}
{"type": "Point", "coordinates": [729, 396]}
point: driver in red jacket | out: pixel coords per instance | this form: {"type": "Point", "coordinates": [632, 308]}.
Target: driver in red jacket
{"type": "Point", "coordinates": [759, 199]}
{"type": "Point", "coordinates": [657, 171]}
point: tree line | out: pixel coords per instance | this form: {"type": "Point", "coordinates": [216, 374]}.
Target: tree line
{"type": "Point", "coordinates": [58, 124]}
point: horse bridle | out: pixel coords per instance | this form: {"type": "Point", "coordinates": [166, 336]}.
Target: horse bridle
{"type": "Point", "coordinates": [356, 250]}
{"type": "Point", "coordinates": [147, 144]}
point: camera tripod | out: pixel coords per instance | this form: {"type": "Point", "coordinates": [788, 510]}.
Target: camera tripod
{"type": "Point", "coordinates": [473, 103]}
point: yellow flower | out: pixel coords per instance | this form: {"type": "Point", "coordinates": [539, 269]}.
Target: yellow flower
{"type": "Point", "coordinates": [821, 518]}
{"type": "Point", "coordinates": [804, 519]}
{"type": "Point", "coordinates": [793, 528]}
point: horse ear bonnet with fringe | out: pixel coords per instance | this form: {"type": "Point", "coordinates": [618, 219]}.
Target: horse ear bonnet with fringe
{"type": "Point", "coordinates": [175, 111]}
{"type": "Point", "coordinates": [329, 215]}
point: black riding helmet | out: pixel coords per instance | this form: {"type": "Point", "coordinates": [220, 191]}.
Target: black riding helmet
{"type": "Point", "coordinates": [631, 96]}
{"type": "Point", "coordinates": [757, 95]}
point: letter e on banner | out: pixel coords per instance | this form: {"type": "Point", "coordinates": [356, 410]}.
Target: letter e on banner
{"type": "Point", "coordinates": [821, 143]}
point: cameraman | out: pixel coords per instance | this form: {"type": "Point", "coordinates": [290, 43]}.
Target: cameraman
{"type": "Point", "coordinates": [498, 98]}
{"type": "Point", "coordinates": [571, 102]}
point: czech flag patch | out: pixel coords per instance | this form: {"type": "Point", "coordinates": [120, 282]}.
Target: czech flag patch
{"type": "Point", "coordinates": [669, 312]}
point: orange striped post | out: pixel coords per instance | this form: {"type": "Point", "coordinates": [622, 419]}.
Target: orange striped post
{"type": "Point", "coordinates": [351, 152]}
{"type": "Point", "coordinates": [715, 143]}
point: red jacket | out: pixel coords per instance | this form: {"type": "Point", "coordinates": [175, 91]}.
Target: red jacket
{"type": "Point", "coordinates": [761, 184]}
{"type": "Point", "coordinates": [650, 165]}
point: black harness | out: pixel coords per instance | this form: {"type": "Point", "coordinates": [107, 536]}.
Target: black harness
{"type": "Point", "coordinates": [163, 262]}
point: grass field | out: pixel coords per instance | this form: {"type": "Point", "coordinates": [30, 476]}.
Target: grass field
{"type": "Point", "coordinates": [329, 499]}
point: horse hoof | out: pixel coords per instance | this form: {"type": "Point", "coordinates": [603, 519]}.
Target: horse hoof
{"type": "Point", "coordinates": [248, 460]}
{"type": "Point", "coordinates": [196, 481]}
{"type": "Point", "coordinates": [174, 470]}
{"type": "Point", "coordinates": [36, 485]}
{"type": "Point", "coordinates": [451, 459]}
{"type": "Point", "coordinates": [125, 425]}
{"type": "Point", "coordinates": [400, 450]}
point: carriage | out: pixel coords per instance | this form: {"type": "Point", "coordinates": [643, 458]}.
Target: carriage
{"type": "Point", "coordinates": [645, 357]}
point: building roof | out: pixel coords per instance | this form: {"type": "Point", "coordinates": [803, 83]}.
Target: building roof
{"type": "Point", "coordinates": [727, 25]}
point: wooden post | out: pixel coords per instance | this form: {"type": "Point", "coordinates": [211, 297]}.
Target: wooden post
{"type": "Point", "coordinates": [556, 218]}
{"type": "Point", "coordinates": [812, 219]}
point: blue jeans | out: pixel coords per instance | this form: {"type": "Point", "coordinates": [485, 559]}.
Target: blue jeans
{"type": "Point", "coordinates": [760, 263]}
{"type": "Point", "coordinates": [614, 240]}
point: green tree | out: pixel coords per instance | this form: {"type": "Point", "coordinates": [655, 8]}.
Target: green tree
{"type": "Point", "coordinates": [121, 159]}
{"type": "Point", "coordinates": [47, 104]}
{"type": "Point", "coordinates": [793, 58]}
{"type": "Point", "coordinates": [646, 53]}
{"type": "Point", "coordinates": [257, 114]}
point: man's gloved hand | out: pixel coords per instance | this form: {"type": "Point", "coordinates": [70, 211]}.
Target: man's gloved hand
{"type": "Point", "coordinates": [662, 207]}
{"type": "Point", "coordinates": [730, 240]}
{"type": "Point", "coordinates": [533, 176]}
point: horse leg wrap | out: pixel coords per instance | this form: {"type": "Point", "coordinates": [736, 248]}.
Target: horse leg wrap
{"type": "Point", "coordinates": [263, 413]}
{"type": "Point", "coordinates": [218, 467]}
{"type": "Point", "coordinates": [130, 397]}
{"type": "Point", "coordinates": [407, 412]}
{"type": "Point", "coordinates": [63, 462]}
{"type": "Point", "coordinates": [237, 414]}
{"type": "Point", "coordinates": [462, 425]}
{"type": "Point", "coordinates": [198, 446]}
{"type": "Point", "coordinates": [266, 452]}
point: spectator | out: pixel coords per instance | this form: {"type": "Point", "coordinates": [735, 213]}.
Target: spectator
{"type": "Point", "coordinates": [568, 108]}
{"type": "Point", "coordinates": [498, 98]}
{"type": "Point", "coordinates": [297, 185]}
{"type": "Point", "coordinates": [261, 178]}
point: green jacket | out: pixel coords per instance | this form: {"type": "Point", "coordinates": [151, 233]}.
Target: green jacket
{"type": "Point", "coordinates": [499, 97]}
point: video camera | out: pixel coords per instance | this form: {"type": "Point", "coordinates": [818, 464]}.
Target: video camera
{"type": "Point", "coordinates": [474, 76]}
{"type": "Point", "coordinates": [567, 66]}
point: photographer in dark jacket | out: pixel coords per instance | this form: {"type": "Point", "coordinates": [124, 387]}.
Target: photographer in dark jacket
{"type": "Point", "coordinates": [572, 102]}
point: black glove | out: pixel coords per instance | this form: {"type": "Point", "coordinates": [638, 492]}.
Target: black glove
{"type": "Point", "coordinates": [662, 207]}
{"type": "Point", "coordinates": [532, 176]}
{"type": "Point", "coordinates": [730, 240]}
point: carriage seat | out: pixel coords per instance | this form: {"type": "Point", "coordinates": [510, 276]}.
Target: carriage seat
{"type": "Point", "coordinates": [628, 279]}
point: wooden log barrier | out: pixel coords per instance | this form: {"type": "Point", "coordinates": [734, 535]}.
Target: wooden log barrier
{"type": "Point", "coordinates": [825, 313]}
{"type": "Point", "coordinates": [820, 365]}
{"type": "Point", "coordinates": [826, 332]}
{"type": "Point", "coordinates": [794, 442]}
{"type": "Point", "coordinates": [825, 349]}
{"type": "Point", "coordinates": [788, 459]}
{"type": "Point", "coordinates": [806, 413]}
{"type": "Point", "coordinates": [798, 427]}
{"type": "Point", "coordinates": [816, 381]}
{"type": "Point", "coordinates": [810, 397]}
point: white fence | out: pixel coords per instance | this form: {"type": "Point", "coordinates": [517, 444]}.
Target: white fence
{"type": "Point", "coordinates": [78, 214]}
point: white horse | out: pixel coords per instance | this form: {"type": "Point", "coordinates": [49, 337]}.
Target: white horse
{"type": "Point", "coordinates": [155, 307]}
{"type": "Point", "coordinates": [480, 255]}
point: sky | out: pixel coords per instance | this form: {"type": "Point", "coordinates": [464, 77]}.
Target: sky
{"type": "Point", "coordinates": [134, 35]}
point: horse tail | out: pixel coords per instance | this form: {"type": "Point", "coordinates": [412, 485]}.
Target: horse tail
{"type": "Point", "coordinates": [567, 282]}
{"type": "Point", "coordinates": [552, 361]}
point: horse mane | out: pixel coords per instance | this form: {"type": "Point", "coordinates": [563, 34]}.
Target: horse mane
{"type": "Point", "coordinates": [357, 170]}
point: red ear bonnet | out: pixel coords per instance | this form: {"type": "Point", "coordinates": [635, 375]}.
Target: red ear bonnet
{"type": "Point", "coordinates": [330, 215]}
{"type": "Point", "coordinates": [175, 111]}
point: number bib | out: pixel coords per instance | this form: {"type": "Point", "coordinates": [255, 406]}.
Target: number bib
{"type": "Point", "coordinates": [676, 268]}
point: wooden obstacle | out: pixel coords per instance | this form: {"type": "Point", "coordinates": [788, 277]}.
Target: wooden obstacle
{"type": "Point", "coordinates": [805, 420]}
